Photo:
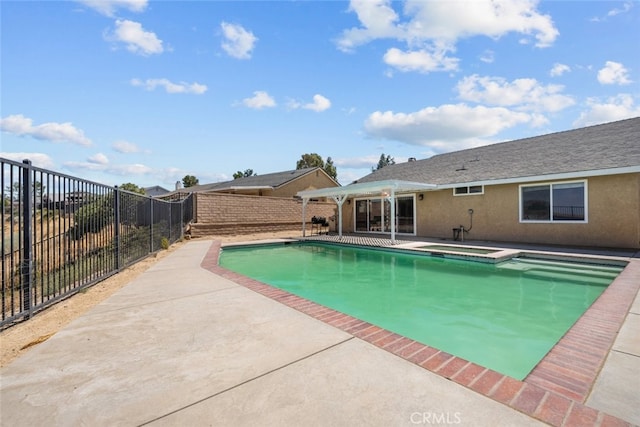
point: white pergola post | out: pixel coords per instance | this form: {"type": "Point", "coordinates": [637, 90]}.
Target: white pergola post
{"type": "Point", "coordinates": [392, 201]}
{"type": "Point", "coordinates": [339, 199]}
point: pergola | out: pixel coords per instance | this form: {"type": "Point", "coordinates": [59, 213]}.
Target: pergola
{"type": "Point", "coordinates": [387, 189]}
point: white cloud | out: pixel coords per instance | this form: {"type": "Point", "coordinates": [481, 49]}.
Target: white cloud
{"type": "Point", "coordinates": [109, 7]}
{"type": "Point", "coordinates": [120, 170]}
{"type": "Point", "coordinates": [125, 147]}
{"type": "Point", "coordinates": [559, 69]}
{"type": "Point", "coordinates": [54, 132]}
{"type": "Point", "coordinates": [16, 124]}
{"type": "Point", "coordinates": [378, 20]}
{"type": "Point", "coordinates": [456, 20]}
{"type": "Point", "coordinates": [431, 29]}
{"type": "Point", "coordinates": [99, 159]}
{"type": "Point", "coordinates": [320, 103]}
{"type": "Point", "coordinates": [487, 56]}
{"type": "Point", "coordinates": [259, 100]}
{"type": "Point", "coordinates": [616, 108]}
{"type": "Point", "coordinates": [134, 169]}
{"type": "Point", "coordinates": [613, 73]}
{"type": "Point", "coordinates": [136, 38]}
{"type": "Point", "coordinates": [238, 42]}
{"type": "Point", "coordinates": [84, 166]}
{"type": "Point", "coordinates": [347, 176]}
{"type": "Point", "coordinates": [364, 162]}
{"type": "Point", "coordinates": [626, 7]}
{"type": "Point", "coordinates": [524, 94]}
{"type": "Point", "coordinates": [170, 87]}
{"type": "Point", "coordinates": [40, 160]}
{"type": "Point", "coordinates": [420, 60]}
{"type": "Point", "coordinates": [446, 127]}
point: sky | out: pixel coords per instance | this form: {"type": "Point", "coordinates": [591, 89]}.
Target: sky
{"type": "Point", "coordinates": [147, 92]}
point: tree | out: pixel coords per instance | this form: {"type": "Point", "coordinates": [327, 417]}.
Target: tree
{"type": "Point", "coordinates": [330, 169]}
{"type": "Point", "coordinates": [16, 189]}
{"type": "Point", "coordinates": [132, 187]}
{"type": "Point", "coordinates": [189, 181]}
{"type": "Point", "coordinates": [384, 161]}
{"type": "Point", "coordinates": [247, 172]}
{"type": "Point", "coordinates": [314, 160]}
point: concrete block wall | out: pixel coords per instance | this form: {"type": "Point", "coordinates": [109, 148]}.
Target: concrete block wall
{"type": "Point", "coordinates": [218, 213]}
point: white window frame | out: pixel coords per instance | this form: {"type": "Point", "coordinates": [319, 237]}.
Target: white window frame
{"type": "Point", "coordinates": [468, 193]}
{"type": "Point", "coordinates": [551, 220]}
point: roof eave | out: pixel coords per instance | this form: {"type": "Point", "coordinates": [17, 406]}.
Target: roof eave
{"type": "Point", "coordinates": [379, 187]}
{"type": "Point", "coordinates": [236, 187]}
{"type": "Point", "coordinates": [547, 177]}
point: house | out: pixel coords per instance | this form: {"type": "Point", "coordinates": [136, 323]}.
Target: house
{"type": "Point", "coordinates": [578, 187]}
{"type": "Point", "coordinates": [257, 203]}
{"type": "Point", "coordinates": [277, 184]}
{"type": "Point", "coordinates": [155, 191]}
{"type": "Point", "coordinates": [67, 202]}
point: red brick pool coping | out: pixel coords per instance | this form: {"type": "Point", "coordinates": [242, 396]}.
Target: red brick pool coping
{"type": "Point", "coordinates": [554, 392]}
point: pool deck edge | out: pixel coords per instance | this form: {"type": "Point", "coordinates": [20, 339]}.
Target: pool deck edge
{"type": "Point", "coordinates": [554, 392]}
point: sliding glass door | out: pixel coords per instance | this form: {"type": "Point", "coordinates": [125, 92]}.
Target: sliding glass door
{"type": "Point", "coordinates": [374, 215]}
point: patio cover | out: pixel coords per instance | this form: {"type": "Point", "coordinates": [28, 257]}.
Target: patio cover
{"type": "Point", "coordinates": [387, 189]}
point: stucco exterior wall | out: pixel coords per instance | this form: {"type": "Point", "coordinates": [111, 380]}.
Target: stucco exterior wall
{"type": "Point", "coordinates": [613, 210]}
{"type": "Point", "coordinates": [218, 213]}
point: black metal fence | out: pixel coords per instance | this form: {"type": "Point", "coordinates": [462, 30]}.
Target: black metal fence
{"type": "Point", "coordinates": [61, 234]}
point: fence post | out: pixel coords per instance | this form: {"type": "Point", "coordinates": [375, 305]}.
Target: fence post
{"type": "Point", "coordinates": [27, 262]}
{"type": "Point", "coordinates": [181, 219]}
{"type": "Point", "coordinates": [151, 226]}
{"type": "Point", "coordinates": [116, 233]}
{"type": "Point", "coordinates": [170, 220]}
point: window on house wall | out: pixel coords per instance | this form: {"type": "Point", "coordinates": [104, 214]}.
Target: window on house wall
{"type": "Point", "coordinates": [555, 202]}
{"type": "Point", "coordinates": [468, 190]}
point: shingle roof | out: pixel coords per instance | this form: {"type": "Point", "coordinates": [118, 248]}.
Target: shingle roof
{"type": "Point", "coordinates": [269, 180]}
{"type": "Point", "coordinates": [156, 190]}
{"type": "Point", "coordinates": [605, 146]}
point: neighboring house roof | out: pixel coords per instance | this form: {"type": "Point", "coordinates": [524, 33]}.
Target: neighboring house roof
{"type": "Point", "coordinates": [596, 150]}
{"type": "Point", "coordinates": [266, 181]}
{"type": "Point", "coordinates": [156, 190]}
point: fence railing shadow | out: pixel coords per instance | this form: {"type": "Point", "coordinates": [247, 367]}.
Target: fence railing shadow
{"type": "Point", "coordinates": [61, 234]}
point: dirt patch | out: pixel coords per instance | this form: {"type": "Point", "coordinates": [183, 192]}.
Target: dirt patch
{"type": "Point", "coordinates": [18, 339]}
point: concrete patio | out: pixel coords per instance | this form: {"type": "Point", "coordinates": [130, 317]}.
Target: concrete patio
{"type": "Point", "coordinates": [181, 345]}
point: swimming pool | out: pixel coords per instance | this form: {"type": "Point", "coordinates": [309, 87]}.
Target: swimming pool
{"type": "Point", "coordinates": [503, 316]}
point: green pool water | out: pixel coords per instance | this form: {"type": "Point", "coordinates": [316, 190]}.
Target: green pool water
{"type": "Point", "coordinates": [504, 316]}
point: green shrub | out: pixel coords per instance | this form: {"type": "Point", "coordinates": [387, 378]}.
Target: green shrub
{"type": "Point", "coordinates": [93, 217]}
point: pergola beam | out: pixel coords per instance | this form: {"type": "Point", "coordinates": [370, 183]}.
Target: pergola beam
{"type": "Point", "coordinates": [387, 189]}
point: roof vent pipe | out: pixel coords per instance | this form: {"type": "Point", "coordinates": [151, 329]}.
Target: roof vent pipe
{"type": "Point", "coordinates": [412, 159]}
